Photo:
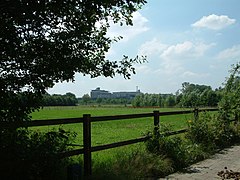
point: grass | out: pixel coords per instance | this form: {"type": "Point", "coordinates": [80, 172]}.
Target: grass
{"type": "Point", "coordinates": [112, 131]}
{"type": "Point", "coordinates": [53, 112]}
{"type": "Point", "coordinates": [108, 132]}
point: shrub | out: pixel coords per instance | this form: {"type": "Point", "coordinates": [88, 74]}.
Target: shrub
{"type": "Point", "coordinates": [212, 132]}
{"type": "Point", "coordinates": [179, 150]}
{"type": "Point", "coordinates": [202, 131]}
{"type": "Point", "coordinates": [27, 154]}
{"type": "Point", "coordinates": [229, 105]}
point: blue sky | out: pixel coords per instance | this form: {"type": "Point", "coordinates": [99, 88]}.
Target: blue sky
{"type": "Point", "coordinates": [184, 41]}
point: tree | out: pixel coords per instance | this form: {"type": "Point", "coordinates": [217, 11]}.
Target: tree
{"type": "Point", "coordinates": [99, 100]}
{"type": "Point", "coordinates": [213, 98]}
{"type": "Point", "coordinates": [86, 98]}
{"type": "Point", "coordinates": [45, 42]}
{"type": "Point", "coordinates": [161, 100]}
{"type": "Point", "coordinates": [137, 100]}
{"type": "Point", "coordinates": [192, 95]}
{"type": "Point", "coordinates": [230, 102]}
{"type": "Point", "coordinates": [170, 101]}
{"type": "Point", "coordinates": [69, 99]}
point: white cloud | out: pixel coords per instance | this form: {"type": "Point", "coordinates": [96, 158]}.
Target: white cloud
{"type": "Point", "coordinates": [176, 50]}
{"type": "Point", "coordinates": [129, 32]}
{"type": "Point", "coordinates": [186, 50]}
{"type": "Point", "coordinates": [171, 60]}
{"type": "Point", "coordinates": [214, 22]}
{"type": "Point", "coordinates": [171, 67]}
{"type": "Point", "coordinates": [190, 74]}
{"type": "Point", "coordinates": [153, 47]}
{"type": "Point", "coordinates": [230, 53]}
{"type": "Point", "coordinates": [176, 57]}
{"type": "Point", "coordinates": [143, 69]}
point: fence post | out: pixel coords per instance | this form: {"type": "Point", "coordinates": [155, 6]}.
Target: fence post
{"type": "Point", "coordinates": [87, 156]}
{"type": "Point", "coordinates": [156, 115]}
{"type": "Point", "coordinates": [195, 111]}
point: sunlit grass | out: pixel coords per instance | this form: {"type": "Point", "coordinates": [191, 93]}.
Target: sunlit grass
{"type": "Point", "coordinates": [111, 131]}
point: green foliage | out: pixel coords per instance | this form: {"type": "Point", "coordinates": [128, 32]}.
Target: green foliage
{"type": "Point", "coordinates": [148, 100]}
{"type": "Point", "coordinates": [69, 99]}
{"type": "Point", "coordinates": [207, 133]}
{"type": "Point", "coordinates": [195, 95]}
{"type": "Point", "coordinates": [202, 130]}
{"type": "Point", "coordinates": [180, 151]}
{"type": "Point", "coordinates": [230, 103]}
{"type": "Point", "coordinates": [191, 95]}
{"type": "Point", "coordinates": [18, 106]}
{"type": "Point", "coordinates": [217, 130]}
{"type": "Point", "coordinates": [105, 101]}
{"type": "Point", "coordinates": [210, 131]}
{"type": "Point", "coordinates": [45, 42]}
{"type": "Point", "coordinates": [26, 154]}
{"type": "Point", "coordinates": [86, 98]}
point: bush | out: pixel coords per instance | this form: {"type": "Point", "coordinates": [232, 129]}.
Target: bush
{"type": "Point", "coordinates": [202, 131]}
{"type": "Point", "coordinates": [212, 132]}
{"type": "Point", "coordinates": [26, 154]}
{"type": "Point", "coordinates": [203, 138]}
{"type": "Point", "coordinates": [229, 105]}
{"type": "Point", "coordinates": [179, 150]}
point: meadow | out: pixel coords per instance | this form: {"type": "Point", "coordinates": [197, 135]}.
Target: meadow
{"type": "Point", "coordinates": [108, 132]}
{"type": "Point", "coordinates": [111, 131]}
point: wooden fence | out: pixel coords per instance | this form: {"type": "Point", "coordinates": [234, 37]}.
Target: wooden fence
{"type": "Point", "coordinates": [87, 119]}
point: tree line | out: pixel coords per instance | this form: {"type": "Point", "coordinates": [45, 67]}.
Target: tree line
{"type": "Point", "coordinates": [68, 99]}
{"type": "Point", "coordinates": [190, 95]}
{"type": "Point", "coordinates": [87, 100]}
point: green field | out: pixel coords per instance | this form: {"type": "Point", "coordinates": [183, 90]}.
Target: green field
{"type": "Point", "coordinates": [111, 131]}
{"type": "Point", "coordinates": [108, 132]}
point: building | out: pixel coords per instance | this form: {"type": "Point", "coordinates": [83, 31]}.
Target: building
{"type": "Point", "coordinates": [98, 93]}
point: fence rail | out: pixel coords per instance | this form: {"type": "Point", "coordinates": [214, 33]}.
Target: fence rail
{"type": "Point", "coordinates": [87, 120]}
